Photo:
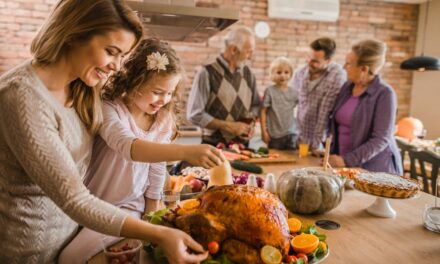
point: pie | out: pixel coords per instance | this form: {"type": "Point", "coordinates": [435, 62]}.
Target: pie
{"type": "Point", "coordinates": [348, 173]}
{"type": "Point", "coordinates": [385, 184]}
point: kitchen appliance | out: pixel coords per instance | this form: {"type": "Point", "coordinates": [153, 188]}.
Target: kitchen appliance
{"type": "Point", "coordinates": [182, 20]}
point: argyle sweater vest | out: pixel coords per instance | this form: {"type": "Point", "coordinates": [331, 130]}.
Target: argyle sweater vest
{"type": "Point", "coordinates": [230, 98]}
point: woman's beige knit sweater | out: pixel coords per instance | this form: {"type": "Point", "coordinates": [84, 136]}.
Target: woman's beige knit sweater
{"type": "Point", "coordinates": [44, 153]}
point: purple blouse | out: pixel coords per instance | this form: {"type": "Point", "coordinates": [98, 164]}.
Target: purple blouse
{"type": "Point", "coordinates": [374, 147]}
{"type": "Point", "coordinates": [343, 119]}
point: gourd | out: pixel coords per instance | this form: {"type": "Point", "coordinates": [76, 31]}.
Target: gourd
{"type": "Point", "coordinates": [409, 128]}
{"type": "Point", "coordinates": [310, 190]}
{"type": "Point", "coordinates": [220, 175]}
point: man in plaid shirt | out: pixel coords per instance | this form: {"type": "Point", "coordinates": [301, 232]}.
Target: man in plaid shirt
{"type": "Point", "coordinates": [318, 84]}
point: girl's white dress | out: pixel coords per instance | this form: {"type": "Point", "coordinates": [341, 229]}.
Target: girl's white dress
{"type": "Point", "coordinates": [114, 177]}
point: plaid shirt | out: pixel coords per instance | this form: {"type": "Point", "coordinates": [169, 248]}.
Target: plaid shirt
{"type": "Point", "coordinates": [316, 104]}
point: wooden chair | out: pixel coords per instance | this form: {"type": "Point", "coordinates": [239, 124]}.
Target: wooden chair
{"type": "Point", "coordinates": [405, 149]}
{"type": "Point", "coordinates": [425, 157]}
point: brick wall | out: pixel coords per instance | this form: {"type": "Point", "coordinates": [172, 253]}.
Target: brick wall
{"type": "Point", "coordinates": [396, 24]}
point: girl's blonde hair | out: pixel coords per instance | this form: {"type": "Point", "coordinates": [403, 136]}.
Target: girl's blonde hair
{"type": "Point", "coordinates": [80, 20]}
{"type": "Point", "coordinates": [370, 53]}
{"type": "Point", "coordinates": [278, 62]}
{"type": "Point", "coordinates": [135, 74]}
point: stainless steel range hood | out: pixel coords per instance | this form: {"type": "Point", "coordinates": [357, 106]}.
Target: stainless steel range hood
{"type": "Point", "coordinates": [183, 23]}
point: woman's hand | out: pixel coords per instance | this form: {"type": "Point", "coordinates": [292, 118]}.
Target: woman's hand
{"type": "Point", "coordinates": [203, 155]}
{"type": "Point", "coordinates": [318, 152]}
{"type": "Point", "coordinates": [177, 246]}
{"type": "Point", "coordinates": [336, 161]}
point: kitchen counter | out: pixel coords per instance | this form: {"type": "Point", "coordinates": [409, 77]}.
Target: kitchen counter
{"type": "Point", "coordinates": [363, 238]}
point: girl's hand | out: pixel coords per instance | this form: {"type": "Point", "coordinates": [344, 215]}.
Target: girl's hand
{"type": "Point", "coordinates": [266, 138]}
{"type": "Point", "coordinates": [336, 161]}
{"type": "Point", "coordinates": [204, 155]}
{"type": "Point", "coordinates": [177, 244]}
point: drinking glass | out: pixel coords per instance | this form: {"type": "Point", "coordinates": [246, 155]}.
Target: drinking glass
{"type": "Point", "coordinates": [303, 150]}
{"type": "Point", "coordinates": [127, 251]}
{"type": "Point", "coordinates": [431, 218]}
{"type": "Point", "coordinates": [170, 198]}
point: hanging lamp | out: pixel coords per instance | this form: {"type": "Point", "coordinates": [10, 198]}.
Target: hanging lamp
{"type": "Point", "coordinates": [422, 63]}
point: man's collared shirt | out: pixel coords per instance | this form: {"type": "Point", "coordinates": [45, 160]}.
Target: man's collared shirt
{"type": "Point", "coordinates": [316, 101]}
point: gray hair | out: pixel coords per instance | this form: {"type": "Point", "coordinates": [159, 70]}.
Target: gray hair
{"type": "Point", "coordinates": [238, 36]}
{"type": "Point", "coordinates": [370, 53]}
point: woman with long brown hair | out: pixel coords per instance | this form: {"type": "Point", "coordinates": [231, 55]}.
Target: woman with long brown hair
{"type": "Point", "coordinates": [50, 109]}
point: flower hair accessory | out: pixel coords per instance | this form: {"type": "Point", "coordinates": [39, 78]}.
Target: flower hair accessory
{"type": "Point", "coordinates": [157, 61]}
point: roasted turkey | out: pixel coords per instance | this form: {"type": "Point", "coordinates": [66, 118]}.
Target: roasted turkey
{"type": "Point", "coordinates": [242, 219]}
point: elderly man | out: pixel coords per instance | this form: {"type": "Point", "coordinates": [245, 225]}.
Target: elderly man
{"type": "Point", "coordinates": [224, 99]}
{"type": "Point", "coordinates": [318, 85]}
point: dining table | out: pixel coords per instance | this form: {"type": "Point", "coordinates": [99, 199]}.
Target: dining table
{"type": "Point", "coordinates": [362, 237]}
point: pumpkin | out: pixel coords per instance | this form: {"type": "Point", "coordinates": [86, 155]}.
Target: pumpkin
{"type": "Point", "coordinates": [409, 128]}
{"type": "Point", "coordinates": [310, 190]}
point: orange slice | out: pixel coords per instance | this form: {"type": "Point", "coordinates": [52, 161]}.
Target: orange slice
{"type": "Point", "coordinates": [304, 243]}
{"type": "Point", "coordinates": [294, 225]}
{"type": "Point", "coordinates": [271, 255]}
{"type": "Point", "coordinates": [190, 204]}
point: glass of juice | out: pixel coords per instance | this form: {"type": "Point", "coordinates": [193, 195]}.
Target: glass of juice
{"type": "Point", "coordinates": [303, 149]}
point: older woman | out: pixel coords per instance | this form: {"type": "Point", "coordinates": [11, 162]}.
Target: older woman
{"type": "Point", "coordinates": [50, 108]}
{"type": "Point", "coordinates": [362, 121]}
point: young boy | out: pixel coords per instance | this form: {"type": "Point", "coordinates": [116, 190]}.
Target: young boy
{"type": "Point", "coordinates": [278, 125]}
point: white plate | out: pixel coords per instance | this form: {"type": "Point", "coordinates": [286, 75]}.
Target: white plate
{"type": "Point", "coordinates": [321, 259]}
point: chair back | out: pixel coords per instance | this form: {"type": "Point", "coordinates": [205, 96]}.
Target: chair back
{"type": "Point", "coordinates": [405, 149]}
{"type": "Point", "coordinates": [425, 157]}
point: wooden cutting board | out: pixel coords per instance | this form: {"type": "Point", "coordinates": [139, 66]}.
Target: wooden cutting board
{"type": "Point", "coordinates": [284, 157]}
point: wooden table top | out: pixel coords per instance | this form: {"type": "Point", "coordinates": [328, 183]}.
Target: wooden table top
{"type": "Point", "coordinates": [363, 238]}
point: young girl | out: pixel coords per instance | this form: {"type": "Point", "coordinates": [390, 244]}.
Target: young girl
{"type": "Point", "coordinates": [278, 128]}
{"type": "Point", "coordinates": [139, 110]}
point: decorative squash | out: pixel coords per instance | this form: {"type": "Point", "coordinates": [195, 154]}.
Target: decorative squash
{"type": "Point", "coordinates": [409, 128]}
{"type": "Point", "coordinates": [310, 190]}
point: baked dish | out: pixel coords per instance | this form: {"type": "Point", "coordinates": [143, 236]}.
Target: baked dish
{"type": "Point", "coordinates": [385, 184]}
{"type": "Point", "coordinates": [349, 173]}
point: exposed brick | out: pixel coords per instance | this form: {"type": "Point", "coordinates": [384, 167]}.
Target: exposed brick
{"type": "Point", "coordinates": [42, 7]}
{"type": "Point", "coordinates": [11, 4]}
{"type": "Point", "coordinates": [39, 14]}
{"type": "Point", "coordinates": [396, 24]}
{"type": "Point", "coordinates": [21, 12]}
